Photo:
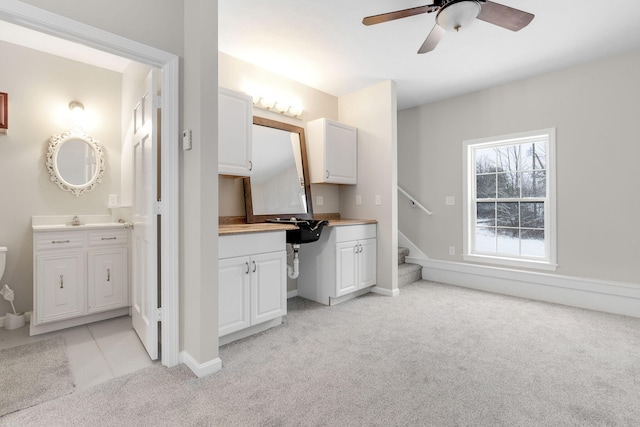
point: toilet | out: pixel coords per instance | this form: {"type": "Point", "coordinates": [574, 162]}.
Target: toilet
{"type": "Point", "coordinates": [11, 321]}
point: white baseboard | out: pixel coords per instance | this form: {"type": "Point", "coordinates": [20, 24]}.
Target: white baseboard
{"type": "Point", "coordinates": [386, 292]}
{"type": "Point", "coordinates": [293, 293]}
{"type": "Point", "coordinates": [414, 251]}
{"type": "Point", "coordinates": [201, 369]}
{"type": "Point", "coordinates": [608, 296]}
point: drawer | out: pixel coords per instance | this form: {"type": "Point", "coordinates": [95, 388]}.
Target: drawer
{"type": "Point", "coordinates": [65, 240]}
{"type": "Point", "coordinates": [235, 245]}
{"type": "Point", "coordinates": [108, 237]}
{"type": "Point", "coordinates": [348, 233]}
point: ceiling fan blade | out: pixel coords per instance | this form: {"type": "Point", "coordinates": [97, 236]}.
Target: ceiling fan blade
{"type": "Point", "coordinates": [504, 16]}
{"type": "Point", "coordinates": [432, 39]}
{"type": "Point", "coordinates": [390, 16]}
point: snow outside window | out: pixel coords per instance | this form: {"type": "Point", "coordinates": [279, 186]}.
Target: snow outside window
{"type": "Point", "coordinates": [510, 200]}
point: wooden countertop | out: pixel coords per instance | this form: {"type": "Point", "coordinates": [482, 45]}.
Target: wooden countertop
{"type": "Point", "coordinates": [268, 226]}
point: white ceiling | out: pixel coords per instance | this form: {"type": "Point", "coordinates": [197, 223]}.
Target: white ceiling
{"type": "Point", "coordinates": [324, 44]}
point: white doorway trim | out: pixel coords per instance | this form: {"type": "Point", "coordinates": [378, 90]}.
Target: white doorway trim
{"type": "Point", "coordinates": [41, 20]}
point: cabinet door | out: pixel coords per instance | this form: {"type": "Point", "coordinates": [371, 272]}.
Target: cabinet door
{"type": "Point", "coordinates": [235, 123]}
{"type": "Point", "coordinates": [268, 286]}
{"type": "Point", "coordinates": [108, 286]}
{"type": "Point", "coordinates": [60, 287]}
{"type": "Point", "coordinates": [341, 154]}
{"type": "Point", "coordinates": [367, 261]}
{"type": "Point", "coordinates": [233, 295]}
{"type": "Point", "coordinates": [346, 268]}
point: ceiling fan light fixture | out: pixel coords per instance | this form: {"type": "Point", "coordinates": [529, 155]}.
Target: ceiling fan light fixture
{"type": "Point", "coordinates": [458, 14]}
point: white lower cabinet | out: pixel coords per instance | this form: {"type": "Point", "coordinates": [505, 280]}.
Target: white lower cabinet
{"type": "Point", "coordinates": [340, 264]}
{"type": "Point", "coordinates": [252, 282]}
{"type": "Point", "coordinates": [80, 276]}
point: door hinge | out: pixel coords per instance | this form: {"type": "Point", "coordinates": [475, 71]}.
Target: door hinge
{"type": "Point", "coordinates": [157, 314]}
{"type": "Point", "coordinates": [157, 101]}
{"type": "Point", "coordinates": [157, 207]}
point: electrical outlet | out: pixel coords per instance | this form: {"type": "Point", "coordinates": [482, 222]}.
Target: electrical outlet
{"type": "Point", "coordinates": [358, 200]}
{"type": "Point", "coordinates": [452, 250]}
{"type": "Point", "coordinates": [378, 199]}
{"type": "Point", "coordinates": [319, 200]}
{"type": "Point", "coordinates": [450, 200]}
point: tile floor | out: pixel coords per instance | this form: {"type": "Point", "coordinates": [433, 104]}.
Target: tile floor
{"type": "Point", "coordinates": [97, 352]}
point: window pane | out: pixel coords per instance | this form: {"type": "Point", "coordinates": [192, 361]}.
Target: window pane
{"type": "Point", "coordinates": [508, 241]}
{"type": "Point", "coordinates": [486, 186]}
{"type": "Point", "coordinates": [532, 214]}
{"type": "Point", "coordinates": [534, 156]}
{"type": "Point", "coordinates": [533, 243]}
{"type": "Point", "coordinates": [508, 158]}
{"type": "Point", "coordinates": [485, 240]}
{"type": "Point", "coordinates": [509, 185]}
{"type": "Point", "coordinates": [534, 184]}
{"type": "Point", "coordinates": [486, 160]}
{"type": "Point", "coordinates": [508, 214]}
{"type": "Point", "coordinates": [486, 214]}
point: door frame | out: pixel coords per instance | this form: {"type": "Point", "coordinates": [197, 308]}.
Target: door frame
{"type": "Point", "coordinates": [56, 25]}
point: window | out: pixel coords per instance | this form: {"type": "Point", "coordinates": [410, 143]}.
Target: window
{"type": "Point", "coordinates": [510, 200]}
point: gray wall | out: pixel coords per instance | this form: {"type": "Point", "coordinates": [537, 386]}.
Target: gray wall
{"type": "Point", "coordinates": [595, 108]}
{"type": "Point", "coordinates": [40, 87]}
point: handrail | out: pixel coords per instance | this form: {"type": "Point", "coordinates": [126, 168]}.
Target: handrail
{"type": "Point", "coordinates": [414, 202]}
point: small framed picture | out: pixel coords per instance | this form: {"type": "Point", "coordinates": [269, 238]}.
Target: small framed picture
{"type": "Point", "coordinates": [3, 110]}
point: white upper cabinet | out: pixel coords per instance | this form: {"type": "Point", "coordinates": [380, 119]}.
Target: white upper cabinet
{"type": "Point", "coordinates": [333, 152]}
{"type": "Point", "coordinates": [235, 123]}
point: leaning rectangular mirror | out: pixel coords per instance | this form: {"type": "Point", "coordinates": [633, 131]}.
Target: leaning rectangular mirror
{"type": "Point", "coordinates": [279, 184]}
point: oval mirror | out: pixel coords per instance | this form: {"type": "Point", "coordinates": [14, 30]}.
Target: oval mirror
{"type": "Point", "coordinates": [75, 162]}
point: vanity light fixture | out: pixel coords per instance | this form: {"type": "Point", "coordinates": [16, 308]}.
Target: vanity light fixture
{"type": "Point", "coordinates": [278, 106]}
{"type": "Point", "coordinates": [4, 113]}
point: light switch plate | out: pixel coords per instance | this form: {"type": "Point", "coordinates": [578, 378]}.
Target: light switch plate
{"type": "Point", "coordinates": [186, 140]}
{"type": "Point", "coordinates": [319, 200]}
{"type": "Point", "coordinates": [113, 201]}
{"type": "Point", "coordinates": [450, 200]}
{"type": "Point", "coordinates": [378, 199]}
{"type": "Point", "coordinates": [358, 200]}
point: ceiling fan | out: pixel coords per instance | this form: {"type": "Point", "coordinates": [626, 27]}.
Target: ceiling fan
{"type": "Point", "coordinates": [456, 14]}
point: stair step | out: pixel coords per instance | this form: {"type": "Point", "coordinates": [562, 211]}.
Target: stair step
{"type": "Point", "coordinates": [408, 273]}
{"type": "Point", "coordinates": [402, 254]}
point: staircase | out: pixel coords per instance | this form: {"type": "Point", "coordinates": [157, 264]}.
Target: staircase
{"type": "Point", "coordinates": [407, 272]}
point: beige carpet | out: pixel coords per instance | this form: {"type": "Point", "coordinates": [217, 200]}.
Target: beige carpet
{"type": "Point", "coordinates": [33, 373]}
{"type": "Point", "coordinates": [436, 355]}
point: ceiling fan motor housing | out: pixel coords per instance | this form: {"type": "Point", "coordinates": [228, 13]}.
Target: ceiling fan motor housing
{"type": "Point", "coordinates": [457, 14]}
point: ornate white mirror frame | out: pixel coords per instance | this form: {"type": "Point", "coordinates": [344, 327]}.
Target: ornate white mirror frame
{"type": "Point", "coordinates": [79, 169]}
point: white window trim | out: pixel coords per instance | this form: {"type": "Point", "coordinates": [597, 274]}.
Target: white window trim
{"type": "Point", "coordinates": [549, 263]}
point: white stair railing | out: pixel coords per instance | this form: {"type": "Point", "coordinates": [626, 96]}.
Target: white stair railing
{"type": "Point", "coordinates": [413, 201]}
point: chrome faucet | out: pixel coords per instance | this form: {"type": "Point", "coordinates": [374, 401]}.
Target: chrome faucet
{"type": "Point", "coordinates": [75, 220]}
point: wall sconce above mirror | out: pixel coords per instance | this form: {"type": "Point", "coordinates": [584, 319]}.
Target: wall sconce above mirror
{"type": "Point", "coordinates": [75, 161]}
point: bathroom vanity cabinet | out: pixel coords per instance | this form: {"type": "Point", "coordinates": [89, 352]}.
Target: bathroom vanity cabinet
{"type": "Point", "coordinates": [340, 265]}
{"type": "Point", "coordinates": [235, 124]}
{"type": "Point", "coordinates": [333, 152]}
{"type": "Point", "coordinates": [80, 276]}
{"type": "Point", "coordinates": [252, 283]}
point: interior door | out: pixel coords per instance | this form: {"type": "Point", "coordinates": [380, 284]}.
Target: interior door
{"type": "Point", "coordinates": [145, 231]}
